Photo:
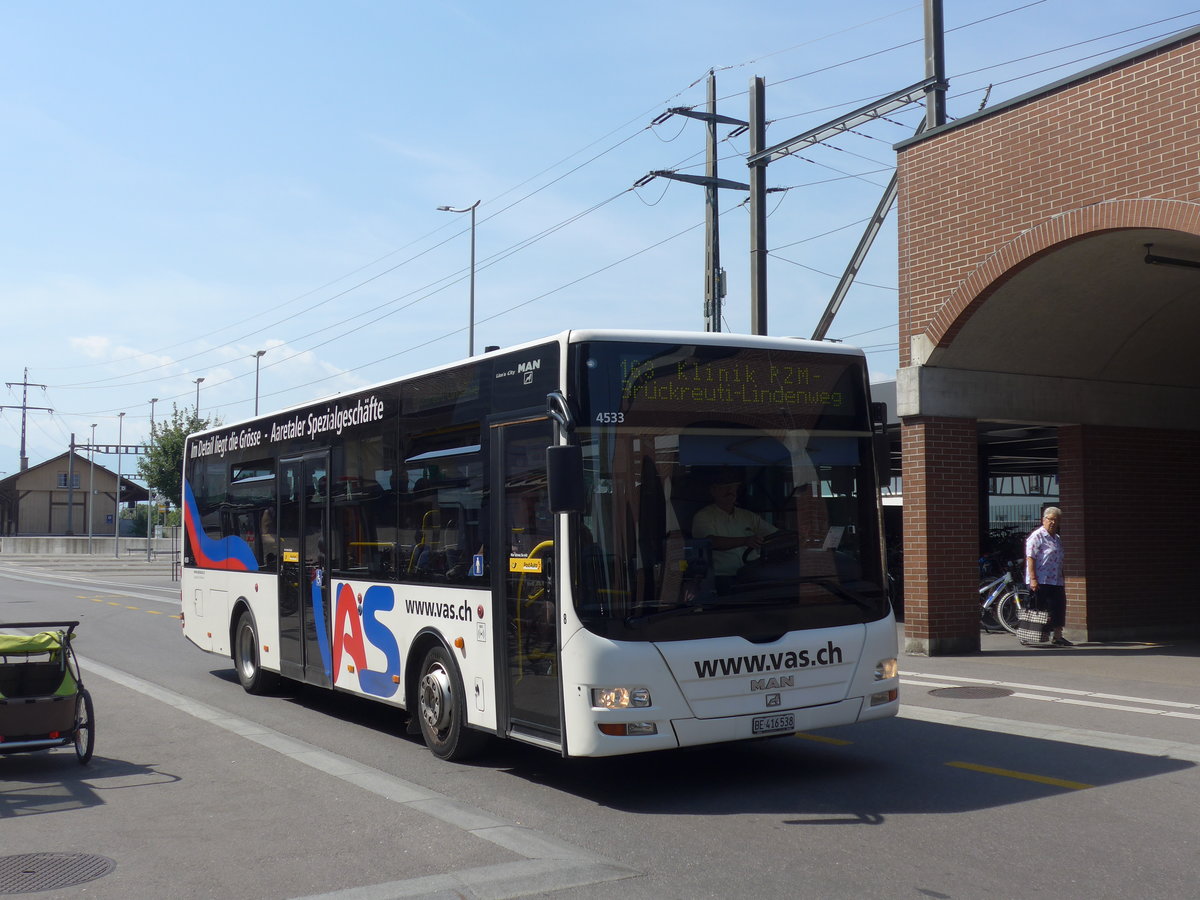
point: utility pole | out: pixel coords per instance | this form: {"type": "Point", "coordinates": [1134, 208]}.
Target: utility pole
{"type": "Point", "coordinates": [714, 291]}
{"type": "Point", "coordinates": [24, 407]}
{"type": "Point", "coordinates": [758, 209]}
{"type": "Point", "coordinates": [935, 65]}
{"type": "Point", "coordinates": [760, 158]}
{"type": "Point", "coordinates": [714, 275]}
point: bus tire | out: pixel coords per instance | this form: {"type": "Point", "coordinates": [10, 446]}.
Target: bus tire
{"type": "Point", "coordinates": [246, 661]}
{"type": "Point", "coordinates": [441, 708]}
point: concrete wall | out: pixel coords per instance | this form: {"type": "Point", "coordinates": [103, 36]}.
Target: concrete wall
{"type": "Point", "coordinates": [67, 546]}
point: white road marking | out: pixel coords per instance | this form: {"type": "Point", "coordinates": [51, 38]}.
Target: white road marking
{"type": "Point", "coordinates": [548, 864]}
{"type": "Point", "coordinates": [1017, 685]}
{"type": "Point", "coordinates": [1096, 699]}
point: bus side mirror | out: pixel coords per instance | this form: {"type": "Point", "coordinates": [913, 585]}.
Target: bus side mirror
{"type": "Point", "coordinates": [882, 442]}
{"type": "Point", "coordinates": [883, 458]}
{"type": "Point", "coordinates": [564, 475]}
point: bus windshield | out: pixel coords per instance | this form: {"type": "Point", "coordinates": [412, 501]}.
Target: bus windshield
{"type": "Point", "coordinates": [731, 491]}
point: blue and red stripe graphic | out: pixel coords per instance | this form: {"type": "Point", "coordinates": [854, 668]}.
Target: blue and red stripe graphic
{"type": "Point", "coordinates": [230, 553]}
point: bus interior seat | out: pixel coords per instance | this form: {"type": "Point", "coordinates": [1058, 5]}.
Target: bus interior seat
{"type": "Point", "coordinates": [689, 495]}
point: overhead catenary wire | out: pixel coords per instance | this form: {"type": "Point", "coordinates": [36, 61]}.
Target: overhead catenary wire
{"type": "Point", "coordinates": [339, 294]}
{"type": "Point", "coordinates": [287, 303]}
{"type": "Point", "coordinates": [425, 294]}
{"type": "Point", "coordinates": [515, 248]}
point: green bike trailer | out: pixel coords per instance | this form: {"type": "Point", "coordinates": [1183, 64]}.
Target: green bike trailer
{"type": "Point", "coordinates": [43, 703]}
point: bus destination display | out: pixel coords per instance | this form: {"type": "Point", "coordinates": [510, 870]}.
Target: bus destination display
{"type": "Point", "coordinates": [646, 382]}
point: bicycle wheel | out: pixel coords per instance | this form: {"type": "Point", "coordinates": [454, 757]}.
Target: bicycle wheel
{"type": "Point", "coordinates": [85, 726]}
{"type": "Point", "coordinates": [1008, 608]}
{"type": "Point", "coordinates": [987, 612]}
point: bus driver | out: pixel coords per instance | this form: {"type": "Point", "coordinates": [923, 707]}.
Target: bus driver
{"type": "Point", "coordinates": [731, 529]}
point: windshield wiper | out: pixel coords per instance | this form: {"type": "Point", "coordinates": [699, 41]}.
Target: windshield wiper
{"type": "Point", "coordinates": [840, 592]}
{"type": "Point", "coordinates": [741, 601]}
{"type": "Point", "coordinates": [682, 609]}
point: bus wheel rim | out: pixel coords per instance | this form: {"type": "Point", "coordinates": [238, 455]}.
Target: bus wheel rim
{"type": "Point", "coordinates": [435, 698]}
{"type": "Point", "coordinates": [247, 651]}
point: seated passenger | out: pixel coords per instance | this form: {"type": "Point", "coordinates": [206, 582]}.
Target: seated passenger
{"type": "Point", "coordinates": [729, 528]}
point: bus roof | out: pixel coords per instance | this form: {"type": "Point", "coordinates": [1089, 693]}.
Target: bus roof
{"type": "Point", "coordinates": [582, 335]}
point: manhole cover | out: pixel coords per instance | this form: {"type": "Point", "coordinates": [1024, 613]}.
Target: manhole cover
{"type": "Point", "coordinates": [972, 693]}
{"type": "Point", "coordinates": [28, 873]}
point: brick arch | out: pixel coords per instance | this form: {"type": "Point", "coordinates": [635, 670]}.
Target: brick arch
{"type": "Point", "coordinates": [1112, 215]}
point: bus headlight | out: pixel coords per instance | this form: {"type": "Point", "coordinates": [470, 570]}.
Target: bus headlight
{"type": "Point", "coordinates": [885, 669]}
{"type": "Point", "coordinates": [620, 698]}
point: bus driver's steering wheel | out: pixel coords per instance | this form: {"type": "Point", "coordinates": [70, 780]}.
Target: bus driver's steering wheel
{"type": "Point", "coordinates": [776, 547]}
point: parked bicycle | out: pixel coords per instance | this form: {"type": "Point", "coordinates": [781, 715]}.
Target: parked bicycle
{"type": "Point", "coordinates": [1003, 598]}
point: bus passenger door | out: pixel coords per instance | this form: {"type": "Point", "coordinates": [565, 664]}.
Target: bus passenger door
{"type": "Point", "coordinates": [304, 609]}
{"type": "Point", "coordinates": [524, 572]}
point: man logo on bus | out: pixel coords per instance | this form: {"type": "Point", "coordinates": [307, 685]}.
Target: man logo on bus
{"type": "Point", "coordinates": [772, 684]}
{"type": "Point", "coordinates": [527, 369]}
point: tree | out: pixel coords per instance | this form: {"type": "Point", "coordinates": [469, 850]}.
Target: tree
{"type": "Point", "coordinates": [161, 467]}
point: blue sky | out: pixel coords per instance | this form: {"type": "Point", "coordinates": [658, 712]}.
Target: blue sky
{"type": "Point", "coordinates": [186, 184]}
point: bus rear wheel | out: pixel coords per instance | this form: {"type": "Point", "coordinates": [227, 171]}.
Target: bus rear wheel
{"type": "Point", "coordinates": [441, 709]}
{"type": "Point", "coordinates": [246, 660]}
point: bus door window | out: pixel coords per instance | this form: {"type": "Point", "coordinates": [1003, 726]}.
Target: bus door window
{"type": "Point", "coordinates": [527, 532]}
{"type": "Point", "coordinates": [290, 593]}
{"type": "Point", "coordinates": [304, 608]}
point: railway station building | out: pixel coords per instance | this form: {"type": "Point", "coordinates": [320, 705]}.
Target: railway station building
{"type": "Point", "coordinates": [59, 496]}
{"type": "Point", "coordinates": [1049, 323]}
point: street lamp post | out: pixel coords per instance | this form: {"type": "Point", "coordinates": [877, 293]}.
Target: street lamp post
{"type": "Point", "coordinates": [150, 506]}
{"type": "Point", "coordinates": [197, 383]}
{"type": "Point", "coordinates": [117, 517]}
{"type": "Point", "coordinates": [471, 320]}
{"type": "Point", "coordinates": [258, 355]}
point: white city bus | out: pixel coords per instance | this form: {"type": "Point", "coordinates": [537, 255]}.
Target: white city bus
{"type": "Point", "coordinates": [506, 546]}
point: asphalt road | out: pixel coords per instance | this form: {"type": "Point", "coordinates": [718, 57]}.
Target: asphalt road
{"type": "Point", "coordinates": [1065, 773]}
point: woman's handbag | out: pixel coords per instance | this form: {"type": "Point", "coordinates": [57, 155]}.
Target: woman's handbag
{"type": "Point", "coordinates": [1033, 623]}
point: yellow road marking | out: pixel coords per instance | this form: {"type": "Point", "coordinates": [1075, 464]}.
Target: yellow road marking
{"type": "Point", "coordinates": [1024, 776]}
{"type": "Point", "coordinates": [153, 612]}
{"type": "Point", "coordinates": [822, 739]}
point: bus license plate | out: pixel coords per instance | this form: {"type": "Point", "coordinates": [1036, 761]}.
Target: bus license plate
{"type": "Point", "coordinates": [773, 724]}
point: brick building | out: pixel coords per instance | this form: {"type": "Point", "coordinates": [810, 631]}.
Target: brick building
{"type": "Point", "coordinates": [1030, 304]}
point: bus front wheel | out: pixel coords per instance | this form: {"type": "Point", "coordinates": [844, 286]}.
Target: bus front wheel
{"type": "Point", "coordinates": [441, 708]}
{"type": "Point", "coordinates": [246, 660]}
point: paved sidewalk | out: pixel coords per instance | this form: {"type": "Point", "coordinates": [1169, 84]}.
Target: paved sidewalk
{"type": "Point", "coordinates": [1171, 662]}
